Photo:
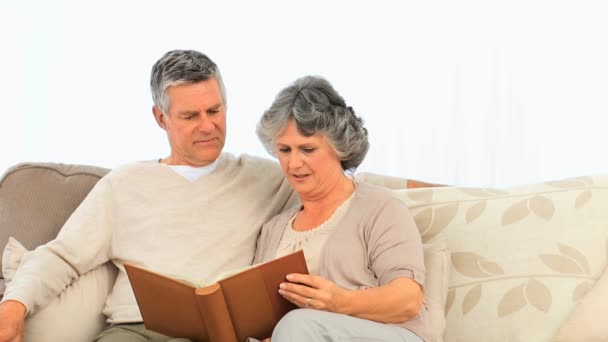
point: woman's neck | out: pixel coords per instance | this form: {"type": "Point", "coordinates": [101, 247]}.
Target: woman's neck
{"type": "Point", "coordinates": [318, 209]}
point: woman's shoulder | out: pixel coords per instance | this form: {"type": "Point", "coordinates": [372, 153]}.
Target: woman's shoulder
{"type": "Point", "coordinates": [374, 194]}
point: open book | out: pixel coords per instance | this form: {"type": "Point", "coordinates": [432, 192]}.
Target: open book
{"type": "Point", "coordinates": [245, 304]}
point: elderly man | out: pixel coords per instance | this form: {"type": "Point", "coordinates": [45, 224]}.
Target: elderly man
{"type": "Point", "coordinates": [174, 214]}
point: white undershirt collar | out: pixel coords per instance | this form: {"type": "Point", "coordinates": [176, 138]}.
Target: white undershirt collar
{"type": "Point", "coordinates": [192, 173]}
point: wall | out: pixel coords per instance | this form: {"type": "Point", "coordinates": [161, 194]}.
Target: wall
{"type": "Point", "coordinates": [480, 93]}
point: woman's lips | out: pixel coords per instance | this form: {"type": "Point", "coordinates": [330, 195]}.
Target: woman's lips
{"type": "Point", "coordinates": [299, 177]}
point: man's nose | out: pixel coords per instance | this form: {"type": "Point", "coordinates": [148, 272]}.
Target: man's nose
{"type": "Point", "coordinates": [205, 124]}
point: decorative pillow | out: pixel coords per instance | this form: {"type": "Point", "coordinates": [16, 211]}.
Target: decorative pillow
{"type": "Point", "coordinates": [587, 321]}
{"type": "Point", "coordinates": [521, 257]}
{"type": "Point", "coordinates": [76, 315]}
{"type": "Point", "coordinates": [11, 258]}
{"type": "Point", "coordinates": [437, 265]}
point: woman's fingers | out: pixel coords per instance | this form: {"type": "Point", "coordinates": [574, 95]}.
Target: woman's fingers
{"type": "Point", "coordinates": [306, 279]}
{"type": "Point", "coordinates": [297, 299]}
{"type": "Point", "coordinates": [299, 290]}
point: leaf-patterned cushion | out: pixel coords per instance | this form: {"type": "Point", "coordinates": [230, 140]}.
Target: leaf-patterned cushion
{"type": "Point", "coordinates": [587, 322]}
{"type": "Point", "coordinates": [521, 258]}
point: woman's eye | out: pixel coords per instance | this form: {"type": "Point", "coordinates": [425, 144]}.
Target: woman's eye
{"type": "Point", "coordinates": [308, 150]}
{"type": "Point", "coordinates": [284, 150]}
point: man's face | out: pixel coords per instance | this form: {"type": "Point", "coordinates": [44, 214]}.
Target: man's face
{"type": "Point", "coordinates": [195, 124]}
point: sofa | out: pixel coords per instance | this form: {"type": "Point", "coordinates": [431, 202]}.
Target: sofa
{"type": "Point", "coordinates": [519, 264]}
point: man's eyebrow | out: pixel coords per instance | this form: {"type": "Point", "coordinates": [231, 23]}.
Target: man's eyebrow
{"type": "Point", "coordinates": [216, 107]}
{"type": "Point", "coordinates": [188, 112]}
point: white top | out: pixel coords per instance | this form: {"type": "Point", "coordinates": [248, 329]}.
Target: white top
{"type": "Point", "coordinates": [146, 214]}
{"type": "Point", "coordinates": [192, 173]}
{"type": "Point", "coordinates": [313, 240]}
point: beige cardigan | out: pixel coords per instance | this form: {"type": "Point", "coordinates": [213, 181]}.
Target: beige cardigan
{"type": "Point", "coordinates": [375, 242]}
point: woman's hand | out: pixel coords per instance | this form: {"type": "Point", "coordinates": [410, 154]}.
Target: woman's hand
{"type": "Point", "coordinates": [307, 291]}
{"type": "Point", "coordinates": [396, 302]}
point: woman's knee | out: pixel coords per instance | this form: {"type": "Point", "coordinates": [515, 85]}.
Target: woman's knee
{"type": "Point", "coordinates": [299, 325]}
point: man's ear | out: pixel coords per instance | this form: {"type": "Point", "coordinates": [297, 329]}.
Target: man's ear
{"type": "Point", "coordinates": [160, 117]}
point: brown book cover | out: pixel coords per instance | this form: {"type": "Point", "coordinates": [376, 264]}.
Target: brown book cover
{"type": "Point", "coordinates": [245, 304]}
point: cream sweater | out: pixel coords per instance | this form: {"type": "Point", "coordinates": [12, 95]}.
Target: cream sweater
{"type": "Point", "coordinates": [147, 214]}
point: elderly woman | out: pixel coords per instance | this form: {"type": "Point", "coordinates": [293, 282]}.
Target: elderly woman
{"type": "Point", "coordinates": [361, 245]}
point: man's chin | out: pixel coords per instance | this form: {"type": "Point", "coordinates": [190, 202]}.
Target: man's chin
{"type": "Point", "coordinates": [208, 157]}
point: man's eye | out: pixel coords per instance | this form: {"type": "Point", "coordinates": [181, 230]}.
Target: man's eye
{"type": "Point", "coordinates": [213, 112]}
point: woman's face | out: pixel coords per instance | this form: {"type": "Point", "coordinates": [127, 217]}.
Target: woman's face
{"type": "Point", "coordinates": [310, 164]}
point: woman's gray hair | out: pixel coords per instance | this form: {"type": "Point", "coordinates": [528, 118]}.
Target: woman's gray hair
{"type": "Point", "coordinates": [178, 67]}
{"type": "Point", "coordinates": [316, 107]}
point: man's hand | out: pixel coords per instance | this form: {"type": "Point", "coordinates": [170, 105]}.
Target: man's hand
{"type": "Point", "coordinates": [12, 320]}
{"type": "Point", "coordinates": [307, 291]}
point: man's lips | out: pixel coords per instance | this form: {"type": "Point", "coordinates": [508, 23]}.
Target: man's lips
{"type": "Point", "coordinates": [205, 141]}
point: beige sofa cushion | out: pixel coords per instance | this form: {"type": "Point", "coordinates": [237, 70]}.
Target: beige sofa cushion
{"type": "Point", "coordinates": [37, 198]}
{"type": "Point", "coordinates": [587, 322]}
{"type": "Point", "coordinates": [437, 265]}
{"type": "Point", "coordinates": [76, 315]}
{"type": "Point", "coordinates": [521, 257]}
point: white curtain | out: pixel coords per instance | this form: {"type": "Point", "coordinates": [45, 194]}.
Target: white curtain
{"type": "Point", "coordinates": [477, 93]}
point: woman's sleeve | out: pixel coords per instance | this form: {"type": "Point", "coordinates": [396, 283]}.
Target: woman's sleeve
{"type": "Point", "coordinates": [394, 245]}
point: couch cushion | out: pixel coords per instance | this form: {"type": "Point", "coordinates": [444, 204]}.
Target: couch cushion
{"type": "Point", "coordinates": [521, 257]}
{"type": "Point", "coordinates": [437, 265]}
{"type": "Point", "coordinates": [37, 198]}
{"type": "Point", "coordinates": [587, 321]}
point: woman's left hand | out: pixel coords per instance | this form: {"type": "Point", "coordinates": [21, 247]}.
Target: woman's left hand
{"type": "Point", "coordinates": [307, 291]}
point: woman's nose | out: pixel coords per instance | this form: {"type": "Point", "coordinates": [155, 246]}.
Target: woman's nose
{"type": "Point", "coordinates": [294, 160]}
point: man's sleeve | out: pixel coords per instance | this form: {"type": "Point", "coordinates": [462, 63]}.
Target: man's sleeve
{"type": "Point", "coordinates": [82, 244]}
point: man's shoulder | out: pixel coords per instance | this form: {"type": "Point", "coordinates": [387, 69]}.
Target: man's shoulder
{"type": "Point", "coordinates": [257, 161]}
{"type": "Point", "coordinates": [252, 164]}
{"type": "Point", "coordinates": [131, 169]}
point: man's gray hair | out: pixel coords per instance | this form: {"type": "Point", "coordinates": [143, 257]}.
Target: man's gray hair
{"type": "Point", "coordinates": [178, 67]}
{"type": "Point", "coordinates": [316, 107]}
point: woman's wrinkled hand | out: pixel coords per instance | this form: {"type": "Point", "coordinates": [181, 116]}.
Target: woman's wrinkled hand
{"type": "Point", "coordinates": [307, 291]}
